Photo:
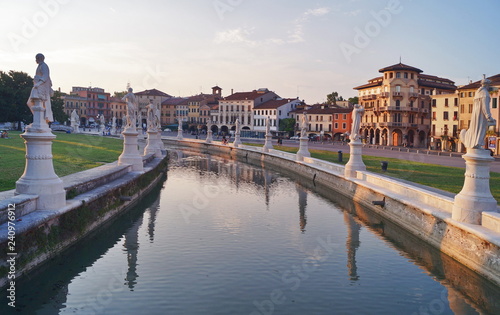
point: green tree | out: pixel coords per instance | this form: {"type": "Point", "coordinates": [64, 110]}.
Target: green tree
{"type": "Point", "coordinates": [15, 89]}
{"type": "Point", "coordinates": [353, 100]}
{"type": "Point", "coordinates": [287, 124]}
{"type": "Point", "coordinates": [57, 103]}
{"type": "Point", "coordinates": [120, 94]}
{"type": "Point", "coordinates": [331, 99]}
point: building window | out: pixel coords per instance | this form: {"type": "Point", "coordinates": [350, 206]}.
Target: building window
{"type": "Point", "coordinates": [494, 102]}
{"type": "Point", "coordinates": [446, 102]}
{"type": "Point", "coordinates": [344, 126]}
{"type": "Point", "coordinates": [336, 125]}
{"type": "Point", "coordinates": [336, 116]}
{"type": "Point", "coordinates": [344, 116]}
{"type": "Point", "coordinates": [456, 101]}
{"type": "Point", "coordinates": [433, 115]}
{"type": "Point", "coordinates": [462, 109]}
{"type": "Point", "coordinates": [398, 74]}
{"type": "Point", "coordinates": [434, 103]}
{"type": "Point", "coordinates": [398, 88]}
{"type": "Point", "coordinates": [455, 116]}
{"type": "Point", "coordinates": [445, 115]}
{"type": "Point", "coordinates": [470, 108]}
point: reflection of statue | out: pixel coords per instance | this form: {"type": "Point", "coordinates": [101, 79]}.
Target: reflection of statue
{"type": "Point", "coordinates": [357, 113]}
{"type": "Point", "coordinates": [481, 118]}
{"type": "Point", "coordinates": [131, 108]}
{"type": "Point", "coordinates": [42, 88]}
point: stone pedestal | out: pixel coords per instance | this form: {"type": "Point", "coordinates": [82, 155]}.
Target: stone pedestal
{"type": "Point", "coordinates": [237, 140]}
{"type": "Point", "coordinates": [355, 162]}
{"type": "Point", "coordinates": [268, 144]}
{"type": "Point", "coordinates": [475, 196]}
{"type": "Point", "coordinates": [130, 154]}
{"type": "Point", "coordinates": [303, 148]}
{"type": "Point", "coordinates": [39, 177]}
{"type": "Point", "coordinates": [209, 138]}
{"type": "Point", "coordinates": [152, 144]}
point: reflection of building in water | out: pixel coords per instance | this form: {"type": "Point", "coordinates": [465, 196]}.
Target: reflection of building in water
{"type": "Point", "coordinates": [302, 207]}
{"type": "Point", "coordinates": [131, 245]}
{"type": "Point", "coordinates": [352, 244]}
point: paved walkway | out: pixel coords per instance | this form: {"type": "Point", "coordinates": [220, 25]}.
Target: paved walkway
{"type": "Point", "coordinates": [424, 156]}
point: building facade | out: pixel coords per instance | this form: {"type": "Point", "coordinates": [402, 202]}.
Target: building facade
{"type": "Point", "coordinates": [94, 103]}
{"type": "Point", "coordinates": [398, 106]}
{"type": "Point", "coordinates": [276, 110]}
{"type": "Point", "coordinates": [153, 96]}
{"type": "Point", "coordinates": [444, 133]}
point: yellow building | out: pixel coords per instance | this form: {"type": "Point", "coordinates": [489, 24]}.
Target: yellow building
{"type": "Point", "coordinates": [444, 125]}
{"type": "Point", "coordinates": [398, 105]}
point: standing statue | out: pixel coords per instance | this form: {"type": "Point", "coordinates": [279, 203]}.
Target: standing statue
{"type": "Point", "coordinates": [75, 119]}
{"type": "Point", "coordinates": [268, 125]}
{"type": "Point", "coordinates": [42, 88]}
{"type": "Point", "coordinates": [304, 125]}
{"type": "Point", "coordinates": [131, 108]}
{"type": "Point", "coordinates": [158, 117]}
{"type": "Point", "coordinates": [481, 118]}
{"type": "Point", "coordinates": [357, 113]}
{"type": "Point", "coordinates": [113, 121]}
{"type": "Point", "coordinates": [237, 125]}
{"type": "Point", "coordinates": [150, 118]}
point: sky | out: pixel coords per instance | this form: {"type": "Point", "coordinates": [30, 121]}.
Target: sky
{"type": "Point", "coordinates": [304, 49]}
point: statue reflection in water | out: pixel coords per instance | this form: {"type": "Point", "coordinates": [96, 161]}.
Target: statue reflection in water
{"type": "Point", "coordinates": [352, 244]}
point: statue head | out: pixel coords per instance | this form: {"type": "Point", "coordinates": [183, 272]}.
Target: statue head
{"type": "Point", "coordinates": [485, 82]}
{"type": "Point", "coordinates": [39, 58]}
{"type": "Point", "coordinates": [130, 90]}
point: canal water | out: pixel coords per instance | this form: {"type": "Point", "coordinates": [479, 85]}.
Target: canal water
{"type": "Point", "coordinates": [224, 237]}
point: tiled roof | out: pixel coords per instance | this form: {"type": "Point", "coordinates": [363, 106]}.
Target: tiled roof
{"type": "Point", "coordinates": [153, 92]}
{"type": "Point", "coordinates": [495, 81]}
{"type": "Point", "coordinates": [327, 110]}
{"type": "Point", "coordinates": [175, 101]}
{"type": "Point", "coordinates": [238, 96]}
{"type": "Point", "coordinates": [273, 104]}
{"type": "Point", "coordinates": [400, 66]}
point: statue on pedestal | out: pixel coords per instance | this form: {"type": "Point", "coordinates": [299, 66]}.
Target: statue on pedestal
{"type": "Point", "coordinates": [42, 88]}
{"type": "Point", "coordinates": [151, 116]}
{"type": "Point", "coordinates": [158, 117]}
{"type": "Point", "coordinates": [304, 125]}
{"type": "Point", "coordinates": [268, 125]}
{"type": "Point", "coordinates": [357, 113]}
{"type": "Point", "coordinates": [131, 108]}
{"type": "Point", "coordinates": [481, 118]}
{"type": "Point", "coordinates": [75, 119]}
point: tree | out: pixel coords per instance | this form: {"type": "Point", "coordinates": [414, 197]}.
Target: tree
{"type": "Point", "coordinates": [331, 99]}
{"type": "Point", "coordinates": [353, 100]}
{"type": "Point", "coordinates": [120, 95]}
{"type": "Point", "coordinates": [15, 89]}
{"type": "Point", "coordinates": [287, 124]}
{"type": "Point", "coordinates": [57, 103]}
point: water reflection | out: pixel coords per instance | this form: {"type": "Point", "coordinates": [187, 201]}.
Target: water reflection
{"type": "Point", "coordinates": [352, 245]}
{"type": "Point", "coordinates": [231, 253]}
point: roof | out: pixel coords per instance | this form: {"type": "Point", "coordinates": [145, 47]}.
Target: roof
{"type": "Point", "coordinates": [371, 83]}
{"type": "Point", "coordinates": [495, 80]}
{"type": "Point", "coordinates": [436, 82]}
{"type": "Point", "coordinates": [247, 95]}
{"type": "Point", "coordinates": [175, 101]}
{"type": "Point", "coordinates": [400, 66]}
{"type": "Point", "coordinates": [273, 104]}
{"type": "Point", "coordinates": [326, 110]}
{"type": "Point", "coordinates": [152, 92]}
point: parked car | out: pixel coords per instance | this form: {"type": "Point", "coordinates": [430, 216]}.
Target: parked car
{"type": "Point", "coordinates": [167, 129]}
{"type": "Point", "coordinates": [295, 138]}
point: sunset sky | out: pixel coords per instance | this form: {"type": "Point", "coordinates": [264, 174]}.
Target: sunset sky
{"type": "Point", "coordinates": [295, 48]}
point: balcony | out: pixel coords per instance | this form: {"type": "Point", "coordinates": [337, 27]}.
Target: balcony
{"type": "Point", "coordinates": [384, 94]}
{"type": "Point", "coordinates": [397, 94]}
{"type": "Point", "coordinates": [368, 97]}
{"type": "Point", "coordinates": [413, 95]}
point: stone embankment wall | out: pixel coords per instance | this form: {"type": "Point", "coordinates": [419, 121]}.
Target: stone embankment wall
{"type": "Point", "coordinates": [424, 212]}
{"type": "Point", "coordinates": [93, 197]}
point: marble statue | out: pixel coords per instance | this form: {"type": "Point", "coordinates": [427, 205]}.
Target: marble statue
{"type": "Point", "coordinates": [481, 118]}
{"type": "Point", "coordinates": [158, 117]}
{"type": "Point", "coordinates": [268, 125]}
{"type": "Point", "coordinates": [42, 88]}
{"type": "Point", "coordinates": [151, 116]}
{"type": "Point", "coordinates": [357, 113]}
{"type": "Point", "coordinates": [131, 108]}
{"type": "Point", "coordinates": [237, 123]}
{"type": "Point", "coordinates": [113, 120]}
{"type": "Point", "coordinates": [304, 125]}
{"type": "Point", "coordinates": [75, 119]}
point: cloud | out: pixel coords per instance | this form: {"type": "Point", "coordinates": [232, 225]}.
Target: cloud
{"type": "Point", "coordinates": [296, 35]}
{"type": "Point", "coordinates": [317, 12]}
{"type": "Point", "coordinates": [352, 13]}
{"type": "Point", "coordinates": [234, 36]}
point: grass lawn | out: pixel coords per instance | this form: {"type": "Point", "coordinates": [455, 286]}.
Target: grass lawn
{"type": "Point", "coordinates": [71, 153]}
{"type": "Point", "coordinates": [442, 177]}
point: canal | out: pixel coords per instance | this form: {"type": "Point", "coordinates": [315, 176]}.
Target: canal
{"type": "Point", "coordinates": [220, 236]}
